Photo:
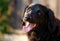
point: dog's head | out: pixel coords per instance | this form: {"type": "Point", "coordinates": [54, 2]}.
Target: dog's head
{"type": "Point", "coordinates": [38, 14]}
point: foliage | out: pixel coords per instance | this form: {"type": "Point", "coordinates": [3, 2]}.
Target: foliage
{"type": "Point", "coordinates": [4, 17]}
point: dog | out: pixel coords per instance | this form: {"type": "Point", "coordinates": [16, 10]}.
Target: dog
{"type": "Point", "coordinates": [47, 26]}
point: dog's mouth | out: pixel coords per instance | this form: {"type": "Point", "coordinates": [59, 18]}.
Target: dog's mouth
{"type": "Point", "coordinates": [27, 27]}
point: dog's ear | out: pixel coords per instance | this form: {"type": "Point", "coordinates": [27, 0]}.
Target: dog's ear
{"type": "Point", "coordinates": [50, 14]}
{"type": "Point", "coordinates": [50, 18]}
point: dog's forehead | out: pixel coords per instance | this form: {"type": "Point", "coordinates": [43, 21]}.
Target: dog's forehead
{"type": "Point", "coordinates": [33, 11]}
{"type": "Point", "coordinates": [35, 8]}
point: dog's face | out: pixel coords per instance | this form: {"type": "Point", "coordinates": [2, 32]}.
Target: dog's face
{"type": "Point", "coordinates": [39, 22]}
{"type": "Point", "coordinates": [34, 16]}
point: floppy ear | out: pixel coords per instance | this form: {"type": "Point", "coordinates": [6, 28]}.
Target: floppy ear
{"type": "Point", "coordinates": [50, 14]}
{"type": "Point", "coordinates": [50, 18]}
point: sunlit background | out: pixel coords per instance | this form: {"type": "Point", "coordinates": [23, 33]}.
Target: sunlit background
{"type": "Point", "coordinates": [11, 14]}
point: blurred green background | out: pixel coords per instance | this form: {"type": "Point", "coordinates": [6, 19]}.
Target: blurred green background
{"type": "Point", "coordinates": [4, 16]}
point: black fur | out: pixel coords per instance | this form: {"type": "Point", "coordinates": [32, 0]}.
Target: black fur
{"type": "Point", "coordinates": [48, 27]}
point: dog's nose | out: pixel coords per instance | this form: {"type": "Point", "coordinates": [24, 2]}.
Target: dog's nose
{"type": "Point", "coordinates": [23, 23]}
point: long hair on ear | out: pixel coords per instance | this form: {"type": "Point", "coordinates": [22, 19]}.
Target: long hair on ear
{"type": "Point", "coordinates": [50, 20]}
